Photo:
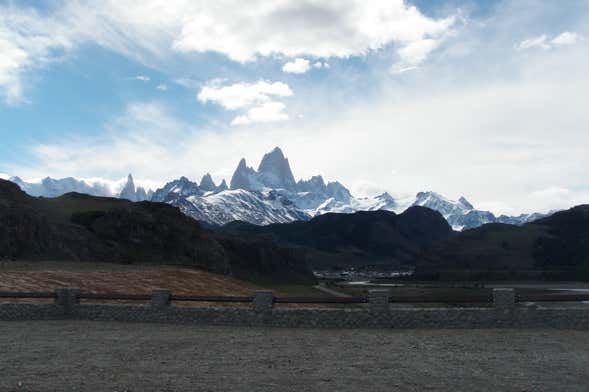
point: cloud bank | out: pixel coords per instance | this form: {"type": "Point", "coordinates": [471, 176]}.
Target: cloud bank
{"type": "Point", "coordinates": [151, 31]}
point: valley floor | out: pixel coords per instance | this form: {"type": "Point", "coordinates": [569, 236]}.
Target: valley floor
{"type": "Point", "coordinates": [105, 356]}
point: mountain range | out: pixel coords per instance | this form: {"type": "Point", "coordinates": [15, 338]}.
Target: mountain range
{"type": "Point", "coordinates": [80, 227]}
{"type": "Point", "coordinates": [269, 195]}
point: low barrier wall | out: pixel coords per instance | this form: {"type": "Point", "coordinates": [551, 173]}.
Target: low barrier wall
{"type": "Point", "coordinates": [505, 313]}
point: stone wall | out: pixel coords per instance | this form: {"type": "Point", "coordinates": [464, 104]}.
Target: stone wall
{"type": "Point", "coordinates": [505, 313]}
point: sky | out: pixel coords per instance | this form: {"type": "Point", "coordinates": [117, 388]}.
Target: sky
{"type": "Point", "coordinates": [486, 99]}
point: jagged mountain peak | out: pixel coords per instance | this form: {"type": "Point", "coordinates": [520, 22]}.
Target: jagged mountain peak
{"type": "Point", "coordinates": [276, 152]}
{"type": "Point", "coordinates": [313, 184]}
{"type": "Point", "coordinates": [385, 196]}
{"type": "Point", "coordinates": [242, 164]}
{"type": "Point", "coordinates": [207, 184]}
{"type": "Point", "coordinates": [223, 186]}
{"type": "Point", "coordinates": [179, 188]}
{"type": "Point", "coordinates": [128, 192]}
{"type": "Point", "coordinates": [429, 194]}
{"type": "Point", "coordinates": [244, 177]}
{"type": "Point", "coordinates": [465, 203]}
{"type": "Point", "coordinates": [274, 171]}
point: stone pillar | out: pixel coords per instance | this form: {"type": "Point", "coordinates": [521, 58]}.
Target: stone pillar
{"type": "Point", "coordinates": [67, 298]}
{"type": "Point", "coordinates": [263, 301]}
{"type": "Point", "coordinates": [161, 298]}
{"type": "Point", "coordinates": [503, 298]}
{"type": "Point", "coordinates": [378, 300]}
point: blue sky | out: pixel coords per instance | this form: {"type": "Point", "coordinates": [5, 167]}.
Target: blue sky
{"type": "Point", "coordinates": [475, 98]}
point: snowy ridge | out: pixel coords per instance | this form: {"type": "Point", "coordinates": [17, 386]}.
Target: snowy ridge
{"type": "Point", "coordinates": [267, 195]}
{"type": "Point", "coordinates": [50, 187]}
{"type": "Point", "coordinates": [462, 215]}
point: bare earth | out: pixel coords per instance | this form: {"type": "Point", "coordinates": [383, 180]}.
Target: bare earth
{"type": "Point", "coordinates": [100, 356]}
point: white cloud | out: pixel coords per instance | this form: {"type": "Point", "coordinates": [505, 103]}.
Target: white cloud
{"type": "Point", "coordinates": [258, 98]}
{"type": "Point", "coordinates": [142, 78]}
{"type": "Point", "coordinates": [293, 28]}
{"type": "Point", "coordinates": [27, 42]}
{"type": "Point", "coordinates": [414, 54]}
{"type": "Point", "coordinates": [162, 87]}
{"type": "Point", "coordinates": [12, 59]}
{"type": "Point", "coordinates": [536, 42]}
{"type": "Point", "coordinates": [565, 38]}
{"type": "Point", "coordinates": [321, 64]}
{"type": "Point", "coordinates": [240, 95]}
{"type": "Point", "coordinates": [297, 66]}
{"type": "Point", "coordinates": [266, 112]}
{"type": "Point", "coordinates": [543, 42]}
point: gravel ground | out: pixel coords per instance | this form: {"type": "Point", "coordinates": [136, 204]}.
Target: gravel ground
{"type": "Point", "coordinates": [105, 356]}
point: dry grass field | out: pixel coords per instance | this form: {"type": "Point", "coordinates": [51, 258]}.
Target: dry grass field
{"type": "Point", "coordinates": [120, 279]}
{"type": "Point", "coordinates": [132, 279]}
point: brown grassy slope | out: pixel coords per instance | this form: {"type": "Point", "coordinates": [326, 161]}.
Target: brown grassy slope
{"type": "Point", "coordinates": [180, 281]}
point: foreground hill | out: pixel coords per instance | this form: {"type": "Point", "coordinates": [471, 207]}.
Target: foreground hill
{"type": "Point", "coordinates": [555, 247]}
{"type": "Point", "coordinates": [367, 237]}
{"type": "Point", "coordinates": [88, 228]}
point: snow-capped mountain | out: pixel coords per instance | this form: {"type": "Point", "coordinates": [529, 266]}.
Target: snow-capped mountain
{"type": "Point", "coordinates": [267, 195]}
{"type": "Point", "coordinates": [271, 195]}
{"type": "Point", "coordinates": [461, 214]}
{"type": "Point", "coordinates": [130, 192]}
{"type": "Point", "coordinates": [50, 187]}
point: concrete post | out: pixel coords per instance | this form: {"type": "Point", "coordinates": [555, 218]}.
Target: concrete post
{"type": "Point", "coordinates": [161, 298]}
{"type": "Point", "coordinates": [378, 300]}
{"type": "Point", "coordinates": [503, 298]}
{"type": "Point", "coordinates": [263, 301]}
{"type": "Point", "coordinates": [67, 298]}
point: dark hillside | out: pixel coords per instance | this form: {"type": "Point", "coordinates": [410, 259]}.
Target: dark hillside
{"type": "Point", "coordinates": [87, 228]}
{"type": "Point", "coordinates": [556, 247]}
{"type": "Point", "coordinates": [367, 237]}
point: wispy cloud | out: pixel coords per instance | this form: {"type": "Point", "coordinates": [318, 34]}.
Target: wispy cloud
{"type": "Point", "coordinates": [544, 42]}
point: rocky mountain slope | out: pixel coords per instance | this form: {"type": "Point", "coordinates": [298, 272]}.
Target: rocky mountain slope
{"type": "Point", "coordinates": [80, 227]}
{"type": "Point", "coordinates": [268, 195]}
{"type": "Point", "coordinates": [556, 247]}
{"type": "Point", "coordinates": [367, 237]}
